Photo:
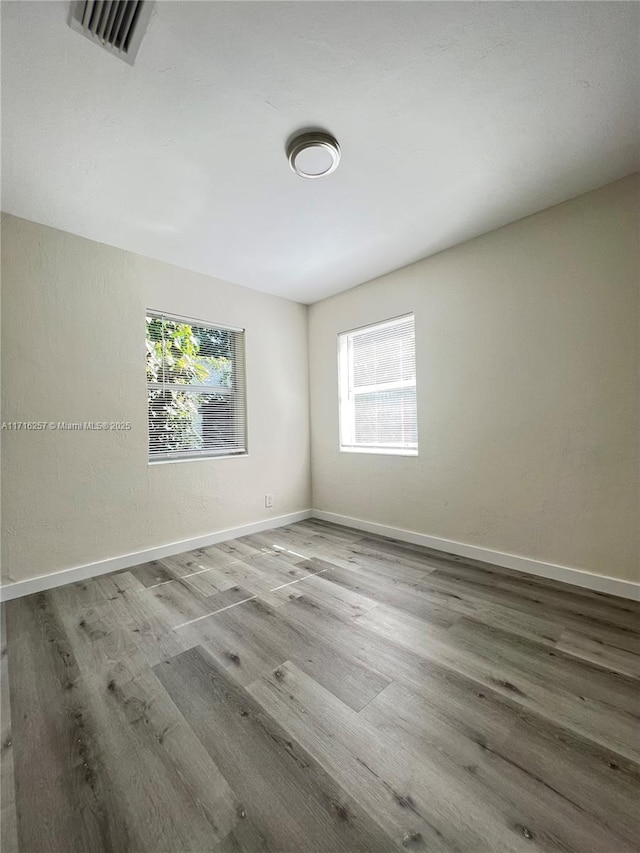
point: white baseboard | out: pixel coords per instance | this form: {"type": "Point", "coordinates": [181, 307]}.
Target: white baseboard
{"type": "Point", "coordinates": [577, 577]}
{"type": "Point", "coordinates": [126, 561]}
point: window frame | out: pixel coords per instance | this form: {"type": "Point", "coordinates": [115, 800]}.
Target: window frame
{"type": "Point", "coordinates": [347, 394]}
{"type": "Point", "coordinates": [239, 345]}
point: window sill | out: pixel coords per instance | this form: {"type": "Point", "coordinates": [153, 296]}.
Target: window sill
{"type": "Point", "coordinates": [382, 451]}
{"type": "Point", "coordinates": [153, 462]}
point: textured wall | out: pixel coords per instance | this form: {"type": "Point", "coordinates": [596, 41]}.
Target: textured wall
{"type": "Point", "coordinates": [527, 358]}
{"type": "Point", "coordinates": [73, 350]}
{"type": "Point", "coordinates": [528, 397]}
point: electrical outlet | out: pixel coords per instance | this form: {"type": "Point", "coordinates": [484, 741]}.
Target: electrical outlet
{"type": "Point", "coordinates": [268, 501]}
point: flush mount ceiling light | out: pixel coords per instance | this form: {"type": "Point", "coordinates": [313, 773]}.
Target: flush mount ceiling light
{"type": "Point", "coordinates": [313, 155]}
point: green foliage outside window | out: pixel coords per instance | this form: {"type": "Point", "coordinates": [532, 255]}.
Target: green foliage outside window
{"type": "Point", "coordinates": [197, 357]}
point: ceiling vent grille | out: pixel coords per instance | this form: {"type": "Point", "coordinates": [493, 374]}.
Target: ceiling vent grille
{"type": "Point", "coordinates": [116, 25]}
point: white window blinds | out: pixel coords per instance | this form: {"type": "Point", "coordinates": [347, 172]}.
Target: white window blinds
{"type": "Point", "coordinates": [195, 387]}
{"type": "Point", "coordinates": [377, 375]}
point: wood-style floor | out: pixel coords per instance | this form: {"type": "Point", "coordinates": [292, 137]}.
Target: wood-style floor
{"type": "Point", "coordinates": [316, 690]}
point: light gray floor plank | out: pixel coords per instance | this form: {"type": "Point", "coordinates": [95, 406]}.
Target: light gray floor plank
{"type": "Point", "coordinates": [290, 799]}
{"type": "Point", "coordinates": [416, 794]}
{"type": "Point", "coordinates": [610, 657]}
{"type": "Point", "coordinates": [118, 768]}
{"type": "Point", "coordinates": [312, 688]}
{"type": "Point", "coordinates": [598, 781]}
{"type": "Point", "coordinates": [546, 795]}
{"type": "Point", "coordinates": [63, 799]}
{"type": "Point", "coordinates": [8, 816]}
{"type": "Point", "coordinates": [335, 669]}
{"type": "Point", "coordinates": [502, 666]}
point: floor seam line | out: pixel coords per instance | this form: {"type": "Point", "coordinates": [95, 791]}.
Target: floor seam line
{"type": "Point", "coordinates": [244, 600]}
{"type": "Point", "coordinates": [217, 568]}
{"type": "Point", "coordinates": [382, 689]}
{"type": "Point", "coordinates": [297, 580]}
{"type": "Point", "coordinates": [213, 613]}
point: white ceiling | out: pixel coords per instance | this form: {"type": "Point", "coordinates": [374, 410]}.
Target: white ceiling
{"type": "Point", "coordinates": [453, 118]}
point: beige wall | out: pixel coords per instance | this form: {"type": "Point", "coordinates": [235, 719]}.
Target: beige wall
{"type": "Point", "coordinates": [527, 348]}
{"type": "Point", "coordinates": [73, 350]}
{"type": "Point", "coordinates": [527, 359]}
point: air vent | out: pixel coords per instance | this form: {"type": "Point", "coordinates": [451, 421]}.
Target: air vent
{"type": "Point", "coordinates": [116, 25]}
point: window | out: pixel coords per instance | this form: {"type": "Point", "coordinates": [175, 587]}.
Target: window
{"type": "Point", "coordinates": [196, 389]}
{"type": "Point", "coordinates": [377, 376]}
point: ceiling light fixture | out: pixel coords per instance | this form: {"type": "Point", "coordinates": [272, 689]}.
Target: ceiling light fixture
{"type": "Point", "coordinates": [314, 154]}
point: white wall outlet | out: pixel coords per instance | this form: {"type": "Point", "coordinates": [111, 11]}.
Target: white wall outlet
{"type": "Point", "coordinates": [268, 501]}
